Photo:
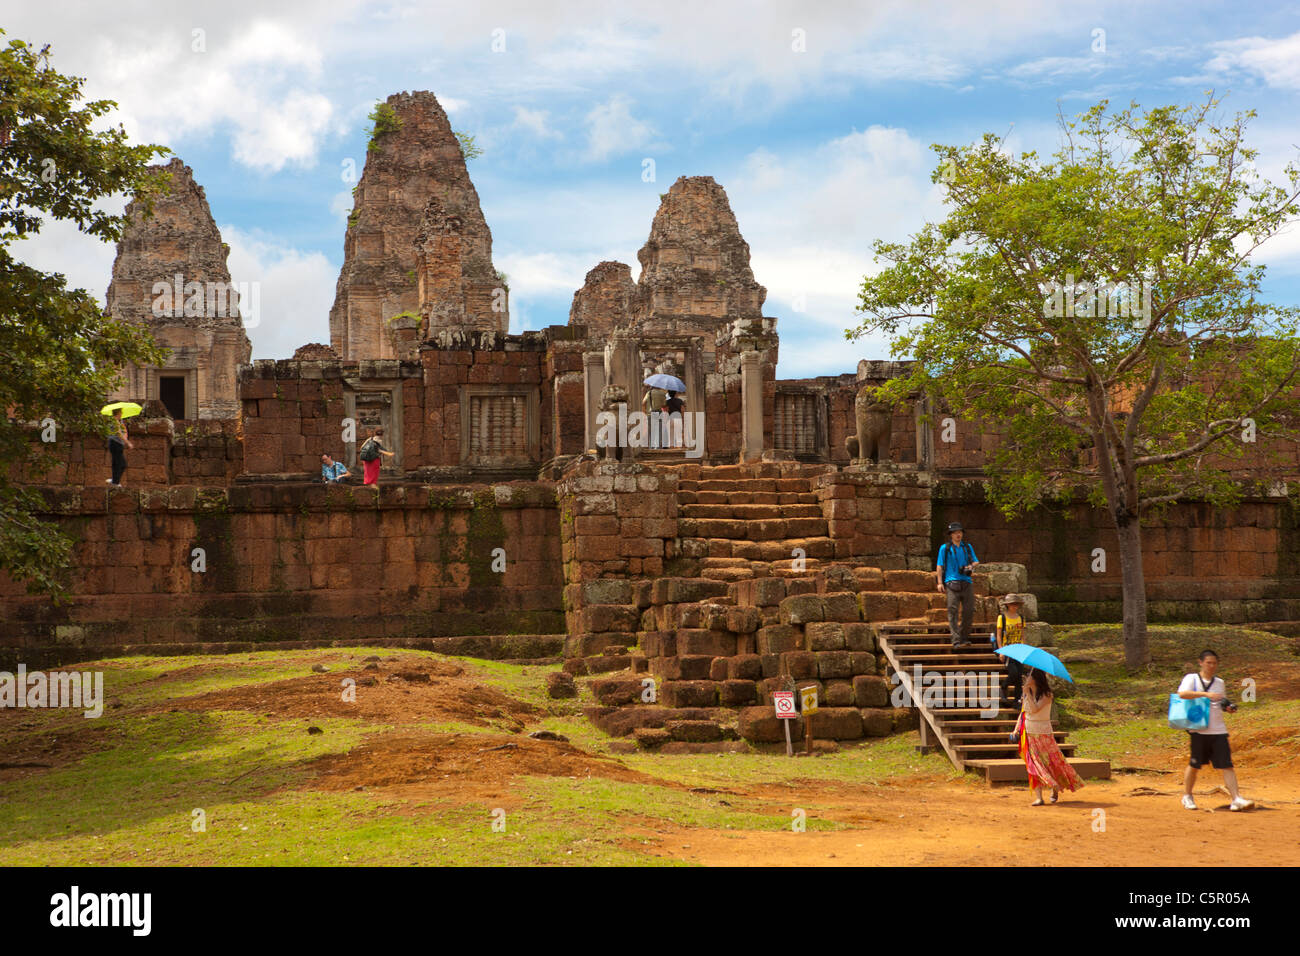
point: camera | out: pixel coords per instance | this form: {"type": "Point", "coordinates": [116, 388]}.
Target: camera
{"type": "Point", "coordinates": [966, 569]}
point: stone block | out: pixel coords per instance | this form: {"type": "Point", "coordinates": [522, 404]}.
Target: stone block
{"type": "Point", "coordinates": [799, 664]}
{"type": "Point", "coordinates": [779, 638]}
{"type": "Point", "coordinates": [825, 636]}
{"type": "Point", "coordinates": [802, 608]}
{"type": "Point", "coordinates": [737, 693]}
{"type": "Point", "coordinates": [860, 637]}
{"type": "Point", "coordinates": [693, 693]}
{"type": "Point", "coordinates": [836, 723]}
{"type": "Point", "coordinates": [745, 667]}
{"type": "Point", "coordinates": [833, 664]}
{"type": "Point", "coordinates": [877, 722]}
{"type": "Point", "coordinates": [760, 725]}
{"type": "Point", "coordinates": [839, 693]}
{"type": "Point", "coordinates": [869, 691]}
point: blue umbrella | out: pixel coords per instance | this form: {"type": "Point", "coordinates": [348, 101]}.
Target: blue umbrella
{"type": "Point", "coordinates": [669, 383]}
{"type": "Point", "coordinates": [1032, 656]}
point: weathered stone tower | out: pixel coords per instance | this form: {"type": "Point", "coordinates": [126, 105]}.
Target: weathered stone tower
{"type": "Point", "coordinates": [695, 264]}
{"type": "Point", "coordinates": [170, 275]}
{"type": "Point", "coordinates": [416, 241]}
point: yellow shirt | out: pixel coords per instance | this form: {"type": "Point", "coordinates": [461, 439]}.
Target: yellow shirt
{"type": "Point", "coordinates": [1013, 630]}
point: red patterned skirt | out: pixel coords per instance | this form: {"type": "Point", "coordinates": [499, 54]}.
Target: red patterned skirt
{"type": "Point", "coordinates": [1046, 764]}
{"type": "Point", "coordinates": [371, 469]}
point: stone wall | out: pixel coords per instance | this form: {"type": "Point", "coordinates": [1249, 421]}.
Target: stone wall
{"type": "Point", "coordinates": [292, 562]}
{"type": "Point", "coordinates": [207, 452]}
{"type": "Point", "coordinates": [879, 516]}
{"type": "Point", "coordinates": [617, 522]}
{"type": "Point", "coordinates": [1202, 563]}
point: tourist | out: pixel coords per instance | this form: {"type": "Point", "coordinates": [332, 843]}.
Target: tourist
{"type": "Point", "coordinates": [371, 455]}
{"type": "Point", "coordinates": [118, 443]}
{"type": "Point", "coordinates": [953, 570]}
{"type": "Point", "coordinates": [331, 470]}
{"type": "Point", "coordinates": [673, 426]}
{"type": "Point", "coordinates": [1044, 761]}
{"type": "Point", "coordinates": [1211, 744]}
{"type": "Point", "coordinates": [1010, 629]}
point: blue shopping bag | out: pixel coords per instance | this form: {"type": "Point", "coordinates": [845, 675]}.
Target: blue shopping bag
{"type": "Point", "coordinates": [1191, 714]}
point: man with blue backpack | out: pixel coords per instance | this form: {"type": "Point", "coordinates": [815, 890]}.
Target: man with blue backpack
{"type": "Point", "coordinates": [953, 569]}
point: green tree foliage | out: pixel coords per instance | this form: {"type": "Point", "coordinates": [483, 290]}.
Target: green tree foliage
{"type": "Point", "coordinates": [59, 354]}
{"type": "Point", "coordinates": [383, 120]}
{"type": "Point", "coordinates": [1146, 394]}
{"type": "Point", "coordinates": [468, 147]}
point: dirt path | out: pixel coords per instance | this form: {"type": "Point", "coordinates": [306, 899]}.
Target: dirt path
{"type": "Point", "coordinates": [967, 823]}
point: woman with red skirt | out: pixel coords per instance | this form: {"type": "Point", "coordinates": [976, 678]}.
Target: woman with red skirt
{"type": "Point", "coordinates": [374, 443]}
{"type": "Point", "coordinates": [1046, 764]}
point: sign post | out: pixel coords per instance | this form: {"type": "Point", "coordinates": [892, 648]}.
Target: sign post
{"type": "Point", "coordinates": [808, 705]}
{"type": "Point", "coordinates": [783, 704]}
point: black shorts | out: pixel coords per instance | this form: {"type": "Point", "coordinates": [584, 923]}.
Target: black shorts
{"type": "Point", "coordinates": [1212, 749]}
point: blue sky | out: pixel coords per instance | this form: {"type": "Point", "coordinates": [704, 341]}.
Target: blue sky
{"type": "Point", "coordinates": [816, 118]}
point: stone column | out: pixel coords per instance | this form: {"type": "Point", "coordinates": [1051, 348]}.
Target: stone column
{"type": "Point", "coordinates": [751, 405]}
{"type": "Point", "coordinates": [623, 370]}
{"type": "Point", "coordinates": [593, 382]}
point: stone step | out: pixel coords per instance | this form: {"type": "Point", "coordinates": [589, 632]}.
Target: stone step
{"type": "Point", "coordinates": [749, 512]}
{"type": "Point", "coordinates": [776, 529]}
{"type": "Point", "coordinates": [774, 550]}
{"type": "Point", "coordinates": [746, 498]}
{"type": "Point", "coordinates": [751, 485]}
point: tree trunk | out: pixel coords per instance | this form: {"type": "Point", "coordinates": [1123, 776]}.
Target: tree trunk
{"type": "Point", "coordinates": [1136, 651]}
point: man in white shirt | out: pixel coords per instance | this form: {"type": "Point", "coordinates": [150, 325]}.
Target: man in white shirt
{"type": "Point", "coordinates": [1211, 744]}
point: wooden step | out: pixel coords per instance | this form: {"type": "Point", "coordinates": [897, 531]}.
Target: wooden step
{"type": "Point", "coordinates": [974, 750]}
{"type": "Point", "coordinates": [1011, 770]}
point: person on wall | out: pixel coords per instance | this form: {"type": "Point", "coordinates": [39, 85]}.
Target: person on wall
{"type": "Point", "coordinates": [331, 470]}
{"type": "Point", "coordinates": [953, 570]}
{"type": "Point", "coordinates": [371, 455]}
{"type": "Point", "coordinates": [118, 443]}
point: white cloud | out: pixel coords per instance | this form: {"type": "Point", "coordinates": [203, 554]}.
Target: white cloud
{"type": "Point", "coordinates": [536, 122]}
{"type": "Point", "coordinates": [612, 129]}
{"type": "Point", "coordinates": [1051, 67]}
{"type": "Point", "coordinates": [296, 290]}
{"type": "Point", "coordinates": [1276, 62]}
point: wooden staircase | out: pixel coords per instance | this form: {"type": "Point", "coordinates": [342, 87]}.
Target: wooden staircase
{"type": "Point", "coordinates": [969, 714]}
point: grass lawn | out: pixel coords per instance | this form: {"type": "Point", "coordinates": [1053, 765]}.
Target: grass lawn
{"type": "Point", "coordinates": [125, 788]}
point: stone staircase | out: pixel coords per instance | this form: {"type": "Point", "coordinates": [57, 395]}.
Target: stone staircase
{"type": "Point", "coordinates": [941, 682]}
{"type": "Point", "coordinates": [744, 521]}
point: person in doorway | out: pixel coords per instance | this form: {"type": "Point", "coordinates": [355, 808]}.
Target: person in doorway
{"type": "Point", "coordinates": [953, 570]}
{"type": "Point", "coordinates": [1010, 629]}
{"type": "Point", "coordinates": [1046, 765]}
{"type": "Point", "coordinates": [331, 470]}
{"type": "Point", "coordinates": [118, 443]}
{"type": "Point", "coordinates": [673, 425]}
{"type": "Point", "coordinates": [1211, 744]}
{"type": "Point", "coordinates": [371, 455]}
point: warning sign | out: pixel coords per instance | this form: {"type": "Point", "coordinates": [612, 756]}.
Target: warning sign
{"type": "Point", "coordinates": [783, 701]}
{"type": "Point", "coordinates": [808, 700]}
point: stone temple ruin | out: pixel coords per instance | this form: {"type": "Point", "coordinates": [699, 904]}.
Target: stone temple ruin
{"type": "Point", "coordinates": [797, 549]}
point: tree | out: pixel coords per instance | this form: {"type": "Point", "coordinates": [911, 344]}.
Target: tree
{"type": "Point", "coordinates": [59, 355]}
{"type": "Point", "coordinates": [1103, 309]}
{"type": "Point", "coordinates": [469, 147]}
